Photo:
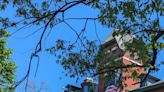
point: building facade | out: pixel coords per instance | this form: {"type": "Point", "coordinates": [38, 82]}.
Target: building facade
{"type": "Point", "coordinates": [115, 45]}
{"type": "Point", "coordinates": [87, 86]}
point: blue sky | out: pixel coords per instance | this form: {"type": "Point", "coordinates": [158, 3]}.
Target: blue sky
{"type": "Point", "coordinates": [49, 72]}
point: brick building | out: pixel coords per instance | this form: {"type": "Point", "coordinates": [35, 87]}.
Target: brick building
{"type": "Point", "coordinates": [116, 45]}
{"type": "Point", "coordinates": [88, 85]}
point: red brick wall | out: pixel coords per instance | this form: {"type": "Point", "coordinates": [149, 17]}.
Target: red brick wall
{"type": "Point", "coordinates": [119, 53]}
{"type": "Point", "coordinates": [130, 83]}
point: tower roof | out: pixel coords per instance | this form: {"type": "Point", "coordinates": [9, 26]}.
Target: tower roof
{"type": "Point", "coordinates": [120, 39]}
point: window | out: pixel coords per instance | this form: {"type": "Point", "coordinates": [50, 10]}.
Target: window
{"type": "Point", "coordinates": [105, 74]}
{"type": "Point", "coordinates": [137, 59]}
{"type": "Point", "coordinates": [112, 82]}
{"type": "Point", "coordinates": [148, 83]}
{"type": "Point", "coordinates": [134, 57]}
{"type": "Point", "coordinates": [108, 51]}
{"type": "Point", "coordinates": [114, 48]}
{"type": "Point", "coordinates": [131, 55]}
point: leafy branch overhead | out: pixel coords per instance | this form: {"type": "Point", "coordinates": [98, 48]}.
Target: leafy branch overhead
{"type": "Point", "coordinates": [7, 66]}
{"type": "Point", "coordinates": [142, 18]}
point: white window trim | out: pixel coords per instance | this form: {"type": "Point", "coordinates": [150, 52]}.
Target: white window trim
{"type": "Point", "coordinates": [132, 61]}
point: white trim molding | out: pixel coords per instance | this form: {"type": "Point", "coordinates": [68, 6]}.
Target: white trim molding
{"type": "Point", "coordinates": [132, 61]}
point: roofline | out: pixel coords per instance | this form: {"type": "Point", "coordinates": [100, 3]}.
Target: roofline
{"type": "Point", "coordinates": [104, 45]}
{"type": "Point", "coordinates": [147, 88]}
{"type": "Point", "coordinates": [150, 76]}
{"type": "Point", "coordinates": [73, 86]}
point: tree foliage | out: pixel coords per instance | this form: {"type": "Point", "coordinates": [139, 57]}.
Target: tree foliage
{"type": "Point", "coordinates": [142, 18]}
{"type": "Point", "coordinates": [7, 66]}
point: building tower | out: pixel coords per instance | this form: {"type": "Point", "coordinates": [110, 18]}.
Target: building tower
{"type": "Point", "coordinates": [89, 85]}
{"type": "Point", "coordinates": [116, 45]}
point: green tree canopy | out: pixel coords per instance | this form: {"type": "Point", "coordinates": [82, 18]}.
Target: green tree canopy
{"type": "Point", "coordinates": [7, 66]}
